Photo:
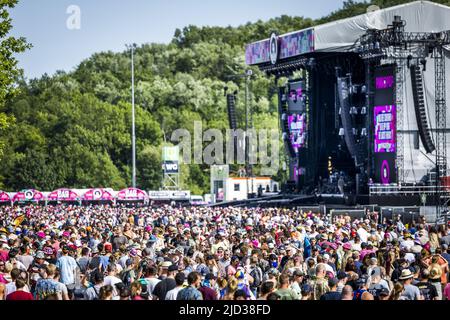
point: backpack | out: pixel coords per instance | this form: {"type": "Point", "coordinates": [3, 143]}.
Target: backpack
{"type": "Point", "coordinates": [126, 278]}
{"type": "Point", "coordinates": [256, 273]}
{"type": "Point", "coordinates": [96, 294]}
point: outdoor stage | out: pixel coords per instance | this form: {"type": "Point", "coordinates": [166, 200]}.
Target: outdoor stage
{"type": "Point", "coordinates": [362, 107]}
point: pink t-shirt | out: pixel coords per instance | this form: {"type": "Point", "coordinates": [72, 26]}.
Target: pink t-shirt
{"type": "Point", "coordinates": [4, 255]}
{"type": "Point", "coordinates": [447, 291]}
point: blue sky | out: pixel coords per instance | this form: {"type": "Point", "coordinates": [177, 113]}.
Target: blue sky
{"type": "Point", "coordinates": [110, 24]}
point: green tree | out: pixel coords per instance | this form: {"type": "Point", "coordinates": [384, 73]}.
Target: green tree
{"type": "Point", "coordinates": [8, 64]}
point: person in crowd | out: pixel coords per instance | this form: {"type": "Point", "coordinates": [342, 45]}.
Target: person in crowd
{"type": "Point", "coordinates": [180, 277]}
{"type": "Point", "coordinates": [191, 292]}
{"type": "Point", "coordinates": [20, 293]}
{"type": "Point", "coordinates": [347, 293]}
{"type": "Point", "coordinates": [333, 294]}
{"type": "Point", "coordinates": [148, 252]}
{"type": "Point", "coordinates": [285, 292]}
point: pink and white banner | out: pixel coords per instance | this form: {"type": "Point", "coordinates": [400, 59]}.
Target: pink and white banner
{"type": "Point", "coordinates": [4, 197]}
{"type": "Point", "coordinates": [28, 195]}
{"type": "Point", "coordinates": [131, 194]}
{"type": "Point", "coordinates": [97, 195]}
{"type": "Point", "coordinates": [63, 195]}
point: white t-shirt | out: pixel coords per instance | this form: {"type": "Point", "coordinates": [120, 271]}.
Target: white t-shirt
{"type": "Point", "coordinates": [363, 234]}
{"type": "Point", "coordinates": [172, 294]}
{"type": "Point", "coordinates": [112, 281]}
{"type": "Point", "coordinates": [151, 284]}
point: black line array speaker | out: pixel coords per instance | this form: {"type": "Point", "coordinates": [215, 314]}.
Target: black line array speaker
{"type": "Point", "coordinates": [231, 106]}
{"type": "Point", "coordinates": [420, 109]}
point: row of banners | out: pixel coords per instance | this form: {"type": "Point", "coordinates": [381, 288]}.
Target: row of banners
{"type": "Point", "coordinates": [68, 195]}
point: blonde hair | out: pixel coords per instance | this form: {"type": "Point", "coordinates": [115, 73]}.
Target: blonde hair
{"type": "Point", "coordinates": [50, 270]}
{"type": "Point", "coordinates": [8, 267]}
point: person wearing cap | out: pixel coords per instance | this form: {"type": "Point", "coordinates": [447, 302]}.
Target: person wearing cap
{"type": "Point", "coordinates": [384, 294]}
{"type": "Point", "coordinates": [67, 267]}
{"type": "Point", "coordinates": [361, 293]}
{"type": "Point", "coordinates": [343, 277]}
{"type": "Point", "coordinates": [166, 284]}
{"type": "Point", "coordinates": [377, 283]}
{"type": "Point", "coordinates": [208, 287]}
{"type": "Point", "coordinates": [410, 291]}
{"type": "Point", "coordinates": [307, 292]}
{"type": "Point", "coordinates": [438, 273]}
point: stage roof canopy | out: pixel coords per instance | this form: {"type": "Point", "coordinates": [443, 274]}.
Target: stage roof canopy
{"type": "Point", "coordinates": [342, 35]}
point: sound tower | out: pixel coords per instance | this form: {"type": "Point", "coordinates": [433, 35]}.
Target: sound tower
{"type": "Point", "coordinates": [231, 107]}
{"type": "Point", "coordinates": [420, 109]}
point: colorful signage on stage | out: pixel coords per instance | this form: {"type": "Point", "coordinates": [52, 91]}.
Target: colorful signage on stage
{"type": "Point", "coordinates": [385, 168]}
{"type": "Point", "coordinates": [4, 197]}
{"type": "Point", "coordinates": [384, 122]}
{"type": "Point", "coordinates": [97, 195]}
{"type": "Point", "coordinates": [29, 195]}
{"type": "Point", "coordinates": [296, 97]}
{"type": "Point", "coordinates": [297, 43]}
{"type": "Point", "coordinates": [131, 194]}
{"type": "Point", "coordinates": [63, 195]}
{"type": "Point", "coordinates": [290, 45]}
{"type": "Point", "coordinates": [258, 52]}
{"type": "Point", "coordinates": [384, 82]}
{"type": "Point", "coordinates": [385, 126]}
{"type": "Point", "coordinates": [297, 130]}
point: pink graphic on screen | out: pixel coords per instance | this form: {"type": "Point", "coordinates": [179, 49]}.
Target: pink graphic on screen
{"type": "Point", "coordinates": [298, 171]}
{"type": "Point", "coordinates": [295, 95]}
{"type": "Point", "coordinates": [297, 130]}
{"type": "Point", "coordinates": [384, 82]}
{"type": "Point", "coordinates": [385, 130]}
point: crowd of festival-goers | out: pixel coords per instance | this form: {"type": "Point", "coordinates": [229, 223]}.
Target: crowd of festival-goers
{"type": "Point", "coordinates": [199, 253]}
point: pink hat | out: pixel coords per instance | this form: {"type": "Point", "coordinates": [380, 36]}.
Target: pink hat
{"type": "Point", "coordinates": [148, 228]}
{"type": "Point", "coordinates": [255, 243]}
{"type": "Point", "coordinates": [41, 234]}
{"type": "Point", "coordinates": [66, 234]}
{"type": "Point", "coordinates": [347, 246]}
